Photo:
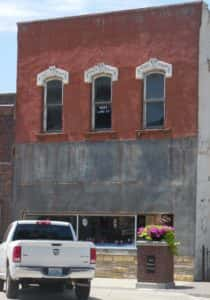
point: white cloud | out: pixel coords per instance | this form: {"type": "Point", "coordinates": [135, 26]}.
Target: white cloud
{"type": "Point", "coordinates": [14, 11]}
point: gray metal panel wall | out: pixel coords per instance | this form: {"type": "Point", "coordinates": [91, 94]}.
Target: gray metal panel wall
{"type": "Point", "coordinates": [114, 176]}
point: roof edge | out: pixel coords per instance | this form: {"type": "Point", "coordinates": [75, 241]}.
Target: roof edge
{"type": "Point", "coordinates": [113, 12]}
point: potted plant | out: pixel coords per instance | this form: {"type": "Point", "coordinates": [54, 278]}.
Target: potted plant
{"type": "Point", "coordinates": [156, 247]}
{"type": "Point", "coordinates": [159, 233]}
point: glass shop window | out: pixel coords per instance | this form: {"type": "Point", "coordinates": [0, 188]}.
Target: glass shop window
{"type": "Point", "coordinates": [105, 231]}
{"type": "Point", "coordinates": [155, 219]}
{"type": "Point", "coordinates": [102, 108]}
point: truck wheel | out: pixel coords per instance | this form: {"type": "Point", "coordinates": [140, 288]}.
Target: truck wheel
{"type": "Point", "coordinates": [11, 287]}
{"type": "Point", "coordinates": [1, 285]}
{"type": "Point", "coordinates": [82, 289]}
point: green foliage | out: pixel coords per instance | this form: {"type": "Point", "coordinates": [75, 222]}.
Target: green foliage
{"type": "Point", "coordinates": [169, 237]}
{"type": "Point", "coordinates": [159, 233]}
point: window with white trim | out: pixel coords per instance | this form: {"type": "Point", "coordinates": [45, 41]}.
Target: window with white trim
{"type": "Point", "coordinates": [53, 80]}
{"type": "Point", "coordinates": [102, 103]}
{"type": "Point", "coordinates": [53, 106]}
{"type": "Point", "coordinates": [154, 100]}
{"type": "Point", "coordinates": [101, 77]}
{"type": "Point", "coordinates": [154, 73]}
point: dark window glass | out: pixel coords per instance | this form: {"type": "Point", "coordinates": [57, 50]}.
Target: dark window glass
{"type": "Point", "coordinates": [155, 86]}
{"type": "Point", "coordinates": [54, 92]}
{"type": "Point", "coordinates": [103, 109]}
{"type": "Point", "coordinates": [102, 89]}
{"type": "Point", "coordinates": [42, 232]}
{"type": "Point", "coordinates": [103, 116]}
{"type": "Point", "coordinates": [54, 118]}
{"type": "Point", "coordinates": [69, 219]}
{"type": "Point", "coordinates": [155, 114]}
{"type": "Point", "coordinates": [141, 221]}
{"type": "Point", "coordinates": [54, 105]}
{"type": "Point", "coordinates": [107, 230]}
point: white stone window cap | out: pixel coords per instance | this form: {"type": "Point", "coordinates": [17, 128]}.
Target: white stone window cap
{"type": "Point", "coordinates": [101, 69]}
{"type": "Point", "coordinates": [154, 65]}
{"type": "Point", "coordinates": [52, 72]}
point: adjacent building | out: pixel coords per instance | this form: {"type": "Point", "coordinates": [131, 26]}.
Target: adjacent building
{"type": "Point", "coordinates": [113, 128]}
{"type": "Point", "coordinates": [7, 102]}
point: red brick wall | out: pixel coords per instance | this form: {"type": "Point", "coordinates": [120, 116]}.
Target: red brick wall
{"type": "Point", "coordinates": [6, 166]}
{"type": "Point", "coordinates": [124, 40]}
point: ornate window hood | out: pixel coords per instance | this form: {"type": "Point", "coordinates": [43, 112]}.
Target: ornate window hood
{"type": "Point", "coordinates": [101, 69]}
{"type": "Point", "coordinates": [52, 72]}
{"type": "Point", "coordinates": [154, 65]}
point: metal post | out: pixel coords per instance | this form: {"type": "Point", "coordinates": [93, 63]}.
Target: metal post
{"type": "Point", "coordinates": [207, 264]}
{"type": "Point", "coordinates": [203, 263]}
{"type": "Point", "coordinates": [135, 234]}
{"type": "Point", "coordinates": [77, 227]}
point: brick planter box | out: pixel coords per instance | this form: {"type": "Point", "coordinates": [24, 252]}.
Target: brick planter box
{"type": "Point", "coordinates": [155, 265]}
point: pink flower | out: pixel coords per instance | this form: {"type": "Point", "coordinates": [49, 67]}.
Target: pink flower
{"type": "Point", "coordinates": [140, 230]}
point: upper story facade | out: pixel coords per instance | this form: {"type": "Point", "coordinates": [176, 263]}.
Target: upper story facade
{"type": "Point", "coordinates": [124, 75]}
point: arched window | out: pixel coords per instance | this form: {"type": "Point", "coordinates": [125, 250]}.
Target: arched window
{"type": "Point", "coordinates": [102, 98]}
{"type": "Point", "coordinates": [53, 80]}
{"type": "Point", "coordinates": [154, 100]}
{"type": "Point", "coordinates": [154, 73]}
{"type": "Point", "coordinates": [101, 77]}
{"type": "Point", "coordinates": [53, 106]}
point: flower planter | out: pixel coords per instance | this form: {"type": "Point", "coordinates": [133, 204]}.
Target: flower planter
{"type": "Point", "coordinates": [155, 265]}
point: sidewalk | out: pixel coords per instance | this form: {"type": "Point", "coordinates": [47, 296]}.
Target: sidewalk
{"type": "Point", "coordinates": [125, 289]}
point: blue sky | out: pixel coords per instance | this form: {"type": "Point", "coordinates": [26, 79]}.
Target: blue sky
{"type": "Point", "coordinates": [13, 11]}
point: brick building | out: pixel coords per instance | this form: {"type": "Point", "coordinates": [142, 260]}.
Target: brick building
{"type": "Point", "coordinates": [113, 130]}
{"type": "Point", "coordinates": [7, 102]}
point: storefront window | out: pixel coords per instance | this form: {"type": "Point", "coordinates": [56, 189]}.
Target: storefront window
{"type": "Point", "coordinates": [155, 219]}
{"type": "Point", "coordinates": [108, 230]}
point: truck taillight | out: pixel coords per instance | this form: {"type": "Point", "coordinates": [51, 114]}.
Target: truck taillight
{"type": "Point", "coordinates": [93, 255]}
{"type": "Point", "coordinates": [16, 254]}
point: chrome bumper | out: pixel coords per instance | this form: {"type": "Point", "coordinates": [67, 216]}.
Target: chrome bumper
{"type": "Point", "coordinates": [42, 272]}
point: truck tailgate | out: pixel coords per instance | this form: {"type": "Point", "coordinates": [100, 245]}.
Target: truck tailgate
{"type": "Point", "coordinates": [55, 253]}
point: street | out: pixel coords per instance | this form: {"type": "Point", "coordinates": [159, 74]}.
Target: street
{"type": "Point", "coordinates": [111, 289]}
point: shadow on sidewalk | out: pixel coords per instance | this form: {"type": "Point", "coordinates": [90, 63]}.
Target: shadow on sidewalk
{"type": "Point", "coordinates": [183, 287]}
{"type": "Point", "coordinates": [34, 293]}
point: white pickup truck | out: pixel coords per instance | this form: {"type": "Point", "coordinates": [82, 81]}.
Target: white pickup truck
{"type": "Point", "coordinates": [46, 253]}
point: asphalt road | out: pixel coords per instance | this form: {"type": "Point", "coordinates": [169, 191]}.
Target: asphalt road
{"type": "Point", "coordinates": [107, 293]}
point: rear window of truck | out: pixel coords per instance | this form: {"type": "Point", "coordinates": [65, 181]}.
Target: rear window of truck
{"type": "Point", "coordinates": [42, 232]}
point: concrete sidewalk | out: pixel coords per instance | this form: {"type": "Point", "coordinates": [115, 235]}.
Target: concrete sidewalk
{"type": "Point", "coordinates": [125, 289]}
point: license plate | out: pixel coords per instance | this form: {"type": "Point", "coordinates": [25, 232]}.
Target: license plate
{"type": "Point", "coordinates": [55, 272]}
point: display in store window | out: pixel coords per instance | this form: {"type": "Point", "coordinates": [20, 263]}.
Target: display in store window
{"type": "Point", "coordinates": [108, 230]}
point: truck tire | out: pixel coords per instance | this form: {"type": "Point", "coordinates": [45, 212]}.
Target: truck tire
{"type": "Point", "coordinates": [82, 289]}
{"type": "Point", "coordinates": [1, 285]}
{"type": "Point", "coordinates": [11, 287]}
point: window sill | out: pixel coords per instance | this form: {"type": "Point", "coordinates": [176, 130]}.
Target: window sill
{"type": "Point", "coordinates": [154, 133]}
{"type": "Point", "coordinates": [100, 135]}
{"type": "Point", "coordinates": [52, 137]}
